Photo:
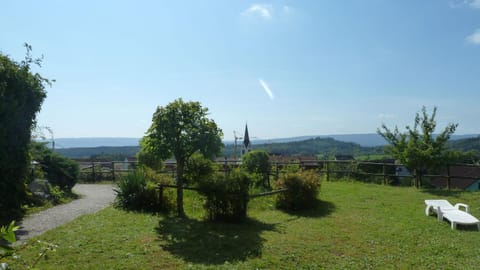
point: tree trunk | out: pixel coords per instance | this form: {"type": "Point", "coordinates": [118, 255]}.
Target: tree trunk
{"type": "Point", "coordinates": [180, 211]}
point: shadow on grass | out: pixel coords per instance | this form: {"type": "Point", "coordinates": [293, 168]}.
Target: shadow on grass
{"type": "Point", "coordinates": [212, 243]}
{"type": "Point", "coordinates": [321, 209]}
{"type": "Point", "coordinates": [443, 192]}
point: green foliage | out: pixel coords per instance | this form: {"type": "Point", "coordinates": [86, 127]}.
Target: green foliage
{"type": "Point", "coordinates": [227, 196]}
{"type": "Point", "coordinates": [130, 190]}
{"type": "Point", "coordinates": [417, 148]}
{"type": "Point", "coordinates": [148, 158]}
{"type": "Point", "coordinates": [198, 168]}
{"type": "Point", "coordinates": [56, 194]}
{"type": "Point", "coordinates": [302, 190]}
{"type": "Point", "coordinates": [181, 129]}
{"type": "Point", "coordinates": [7, 233]}
{"type": "Point", "coordinates": [258, 162]}
{"type": "Point", "coordinates": [136, 192]}
{"type": "Point", "coordinates": [60, 171]}
{"type": "Point", "coordinates": [21, 96]}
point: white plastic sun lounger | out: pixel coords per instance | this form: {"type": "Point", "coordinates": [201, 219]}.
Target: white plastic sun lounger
{"type": "Point", "coordinates": [452, 213]}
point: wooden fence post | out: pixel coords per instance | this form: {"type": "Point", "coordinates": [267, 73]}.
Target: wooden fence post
{"type": "Point", "coordinates": [384, 174]}
{"type": "Point", "coordinates": [448, 177]}
{"type": "Point", "coordinates": [113, 171]}
{"type": "Point", "coordinates": [93, 172]}
{"type": "Point", "coordinates": [160, 196]}
{"type": "Point", "coordinates": [328, 169]}
{"type": "Point", "coordinates": [276, 170]}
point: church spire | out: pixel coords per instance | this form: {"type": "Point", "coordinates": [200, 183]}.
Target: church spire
{"type": "Point", "coordinates": [246, 139]}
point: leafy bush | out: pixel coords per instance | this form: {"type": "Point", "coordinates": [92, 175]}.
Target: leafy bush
{"type": "Point", "coordinates": [197, 168]}
{"type": "Point", "coordinates": [136, 192]}
{"type": "Point", "coordinates": [57, 195]}
{"type": "Point", "coordinates": [21, 95]}
{"type": "Point", "coordinates": [227, 196]}
{"type": "Point", "coordinates": [303, 188]}
{"type": "Point", "coordinates": [258, 162]}
{"type": "Point", "coordinates": [60, 171]}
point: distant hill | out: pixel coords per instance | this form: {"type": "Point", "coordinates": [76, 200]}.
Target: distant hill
{"type": "Point", "coordinates": [365, 140]}
{"type": "Point", "coordinates": [467, 144]}
{"type": "Point", "coordinates": [307, 145]}
{"type": "Point", "coordinates": [116, 153]}
{"type": "Point", "coordinates": [311, 147]}
{"type": "Point", "coordinates": [94, 142]}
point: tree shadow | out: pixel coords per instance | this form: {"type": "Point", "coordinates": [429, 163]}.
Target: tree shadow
{"type": "Point", "coordinates": [443, 192]}
{"type": "Point", "coordinates": [212, 243]}
{"type": "Point", "coordinates": [320, 209]}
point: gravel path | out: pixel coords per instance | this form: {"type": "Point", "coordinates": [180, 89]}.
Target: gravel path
{"type": "Point", "coordinates": [94, 198]}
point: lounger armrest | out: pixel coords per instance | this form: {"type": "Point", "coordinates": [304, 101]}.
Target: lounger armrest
{"type": "Point", "coordinates": [467, 208]}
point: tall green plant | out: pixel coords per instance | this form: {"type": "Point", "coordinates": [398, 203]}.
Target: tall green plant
{"type": "Point", "coordinates": [418, 148]}
{"type": "Point", "coordinates": [21, 95]}
{"type": "Point", "coordinates": [197, 168]}
{"type": "Point", "coordinates": [7, 233]}
{"type": "Point", "coordinates": [302, 190]}
{"type": "Point", "coordinates": [258, 162]}
{"type": "Point", "coordinates": [131, 188]}
{"type": "Point", "coordinates": [137, 192]}
{"type": "Point", "coordinates": [227, 196]}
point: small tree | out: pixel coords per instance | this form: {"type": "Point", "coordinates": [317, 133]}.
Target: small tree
{"type": "Point", "coordinates": [180, 129]}
{"type": "Point", "coordinates": [418, 149]}
{"type": "Point", "coordinates": [258, 162]}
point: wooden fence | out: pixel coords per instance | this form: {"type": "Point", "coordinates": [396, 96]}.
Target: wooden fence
{"type": "Point", "coordinates": [375, 172]}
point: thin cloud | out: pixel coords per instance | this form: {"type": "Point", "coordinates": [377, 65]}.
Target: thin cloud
{"type": "Point", "coordinates": [386, 116]}
{"type": "Point", "coordinates": [474, 38]}
{"type": "Point", "coordinates": [462, 3]}
{"type": "Point", "coordinates": [262, 10]}
{"type": "Point", "coordinates": [266, 88]}
{"type": "Point", "coordinates": [474, 3]}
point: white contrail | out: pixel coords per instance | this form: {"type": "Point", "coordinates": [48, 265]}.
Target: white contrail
{"type": "Point", "coordinates": [266, 88]}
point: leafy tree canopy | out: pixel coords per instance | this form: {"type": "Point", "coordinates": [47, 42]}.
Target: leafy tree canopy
{"type": "Point", "coordinates": [179, 130]}
{"type": "Point", "coordinates": [417, 148]}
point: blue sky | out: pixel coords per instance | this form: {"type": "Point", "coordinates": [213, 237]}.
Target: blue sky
{"type": "Point", "coordinates": [288, 68]}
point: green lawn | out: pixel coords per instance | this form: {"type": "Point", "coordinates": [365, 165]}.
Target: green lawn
{"type": "Point", "coordinates": [356, 226]}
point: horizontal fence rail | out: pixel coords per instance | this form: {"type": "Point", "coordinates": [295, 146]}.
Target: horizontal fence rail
{"type": "Point", "coordinates": [367, 171]}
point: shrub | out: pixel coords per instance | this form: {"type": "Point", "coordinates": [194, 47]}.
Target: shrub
{"type": "Point", "coordinates": [7, 233]}
{"type": "Point", "coordinates": [60, 171]}
{"type": "Point", "coordinates": [136, 192]}
{"type": "Point", "coordinates": [57, 195]}
{"type": "Point", "coordinates": [303, 188]}
{"type": "Point", "coordinates": [21, 95]}
{"type": "Point", "coordinates": [197, 168]}
{"type": "Point", "coordinates": [227, 196]}
{"type": "Point", "coordinates": [258, 162]}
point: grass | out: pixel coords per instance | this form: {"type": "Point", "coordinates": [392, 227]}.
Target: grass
{"type": "Point", "coordinates": [355, 226]}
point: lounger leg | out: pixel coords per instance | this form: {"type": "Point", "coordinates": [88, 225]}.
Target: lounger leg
{"type": "Point", "coordinates": [427, 210]}
{"type": "Point", "coordinates": [454, 225]}
{"type": "Point", "coordinates": [439, 215]}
